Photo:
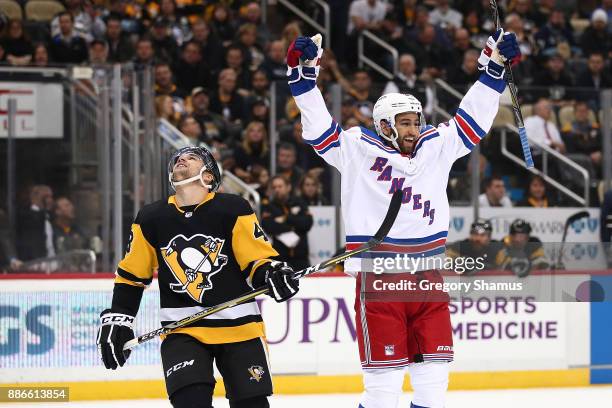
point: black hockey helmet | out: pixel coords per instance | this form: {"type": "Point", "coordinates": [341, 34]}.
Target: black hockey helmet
{"type": "Point", "coordinates": [210, 165]}
{"type": "Point", "coordinates": [520, 226]}
{"type": "Point", "coordinates": [481, 226]}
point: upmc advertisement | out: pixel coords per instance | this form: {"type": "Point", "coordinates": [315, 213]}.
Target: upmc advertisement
{"type": "Point", "coordinates": [49, 326]}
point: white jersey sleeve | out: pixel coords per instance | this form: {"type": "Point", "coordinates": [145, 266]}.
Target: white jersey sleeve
{"type": "Point", "coordinates": [322, 132]}
{"type": "Point", "coordinates": [471, 122]}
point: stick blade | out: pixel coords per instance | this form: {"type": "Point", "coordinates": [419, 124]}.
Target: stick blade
{"type": "Point", "coordinates": [394, 208]}
{"type": "Point", "coordinates": [577, 216]}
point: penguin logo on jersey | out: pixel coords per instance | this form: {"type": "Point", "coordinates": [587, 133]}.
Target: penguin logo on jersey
{"type": "Point", "coordinates": [193, 262]}
{"type": "Point", "coordinates": [256, 372]}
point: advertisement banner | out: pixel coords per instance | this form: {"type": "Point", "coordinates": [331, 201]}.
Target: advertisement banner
{"type": "Point", "coordinates": [40, 109]}
{"type": "Point", "coordinates": [51, 329]}
{"type": "Point", "coordinates": [322, 235]}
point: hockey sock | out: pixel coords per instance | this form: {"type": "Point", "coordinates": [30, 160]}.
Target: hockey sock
{"type": "Point", "coordinates": [193, 396]}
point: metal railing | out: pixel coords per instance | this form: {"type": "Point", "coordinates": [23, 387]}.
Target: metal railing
{"type": "Point", "coordinates": [546, 152]}
{"type": "Point", "coordinates": [324, 29]}
{"type": "Point", "coordinates": [362, 58]}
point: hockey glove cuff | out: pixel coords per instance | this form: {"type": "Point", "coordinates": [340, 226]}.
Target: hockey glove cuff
{"type": "Point", "coordinates": [114, 331]}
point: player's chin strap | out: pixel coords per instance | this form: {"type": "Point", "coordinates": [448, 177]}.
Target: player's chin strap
{"type": "Point", "coordinates": [190, 180]}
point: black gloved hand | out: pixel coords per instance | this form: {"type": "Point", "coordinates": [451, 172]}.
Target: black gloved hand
{"type": "Point", "coordinates": [280, 281]}
{"type": "Point", "coordinates": [114, 331]}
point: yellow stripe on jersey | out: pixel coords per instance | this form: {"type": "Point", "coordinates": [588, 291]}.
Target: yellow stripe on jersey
{"type": "Point", "coordinates": [172, 200]}
{"type": "Point", "coordinates": [249, 242]}
{"type": "Point", "coordinates": [139, 260]}
{"type": "Point", "coordinates": [220, 335]}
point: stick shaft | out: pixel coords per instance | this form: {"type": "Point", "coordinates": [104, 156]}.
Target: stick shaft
{"type": "Point", "coordinates": [516, 108]}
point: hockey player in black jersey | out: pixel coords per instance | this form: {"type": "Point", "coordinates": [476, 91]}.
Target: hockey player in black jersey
{"type": "Point", "coordinates": [208, 248]}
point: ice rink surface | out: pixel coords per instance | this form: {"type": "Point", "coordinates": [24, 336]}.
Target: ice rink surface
{"type": "Point", "coordinates": [592, 397]}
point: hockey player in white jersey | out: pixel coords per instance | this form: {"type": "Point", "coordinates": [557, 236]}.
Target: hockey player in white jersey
{"type": "Point", "coordinates": [404, 153]}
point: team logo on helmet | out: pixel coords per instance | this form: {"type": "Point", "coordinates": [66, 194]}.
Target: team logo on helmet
{"type": "Point", "coordinates": [193, 262]}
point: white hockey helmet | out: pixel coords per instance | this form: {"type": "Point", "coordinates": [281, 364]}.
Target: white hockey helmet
{"type": "Point", "coordinates": [388, 106]}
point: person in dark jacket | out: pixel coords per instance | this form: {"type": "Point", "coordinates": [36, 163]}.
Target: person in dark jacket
{"type": "Point", "coordinates": [68, 47]}
{"type": "Point", "coordinates": [120, 48]}
{"type": "Point", "coordinates": [479, 247]}
{"type": "Point", "coordinates": [34, 229]}
{"type": "Point", "coordinates": [287, 220]}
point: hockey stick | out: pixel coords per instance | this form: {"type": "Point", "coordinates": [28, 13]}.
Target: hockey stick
{"type": "Point", "coordinates": [383, 230]}
{"type": "Point", "coordinates": [516, 108]}
{"type": "Point", "coordinates": [571, 219]}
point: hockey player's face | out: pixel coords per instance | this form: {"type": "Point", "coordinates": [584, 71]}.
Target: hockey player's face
{"type": "Point", "coordinates": [408, 127]}
{"type": "Point", "coordinates": [187, 165]}
{"type": "Point", "coordinates": [480, 240]}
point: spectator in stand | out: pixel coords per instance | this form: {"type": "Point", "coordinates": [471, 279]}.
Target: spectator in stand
{"type": "Point", "coordinates": [311, 191]}
{"type": "Point", "coordinates": [556, 36]}
{"type": "Point", "coordinates": [420, 22]}
{"type": "Point", "coordinates": [478, 245]}
{"type": "Point", "coordinates": [164, 85]}
{"type": "Point", "coordinates": [191, 128]}
{"type": "Point", "coordinates": [87, 24]}
{"type": "Point", "coordinates": [536, 195]}
{"type": "Point", "coordinates": [360, 89]}
{"type": "Point", "coordinates": [165, 46]}
{"type": "Point", "coordinates": [247, 41]}
{"type": "Point", "coordinates": [596, 37]}
{"type": "Point", "coordinates": [274, 63]}
{"type": "Point", "coordinates": [407, 81]}
{"type": "Point", "coordinates": [553, 82]}
{"type": "Point", "coordinates": [190, 71]}
{"type": "Point", "coordinates": [252, 15]}
{"type": "Point", "coordinates": [286, 164]}
{"type": "Point", "coordinates": [210, 46]}
{"type": "Point", "coordinates": [145, 54]}
{"type": "Point", "coordinates": [392, 32]}
{"type": "Point", "coordinates": [41, 55]}
{"type": "Point", "coordinates": [253, 150]}
{"type": "Point", "coordinates": [98, 52]}
{"type": "Point", "coordinates": [430, 55]}
{"type": "Point", "coordinates": [234, 59]}
{"type": "Point", "coordinates": [212, 124]}
{"type": "Point", "coordinates": [226, 101]}
{"type": "Point", "coordinates": [222, 24]}
{"type": "Point", "coordinates": [366, 15]}
{"type": "Point", "coordinates": [34, 228]}
{"type": "Point", "coordinates": [68, 47]}
{"type": "Point", "coordinates": [120, 47]}
{"type": "Point", "coordinates": [67, 235]}
{"type": "Point", "coordinates": [167, 11]}
{"type": "Point", "coordinates": [290, 32]}
{"type": "Point", "coordinates": [16, 44]}
{"type": "Point", "coordinates": [461, 43]}
{"type": "Point", "coordinates": [286, 218]}
{"type": "Point", "coordinates": [445, 16]}
{"type": "Point", "coordinates": [164, 109]}
{"type": "Point", "coordinates": [495, 193]}
{"type": "Point", "coordinates": [540, 128]}
{"type": "Point", "coordinates": [524, 8]}
{"type": "Point", "coordinates": [595, 78]}
{"type": "Point", "coordinates": [523, 72]}
{"type": "Point", "coordinates": [260, 88]}
{"type": "Point", "coordinates": [307, 159]}
{"type": "Point", "coordinates": [260, 177]}
{"type": "Point", "coordinates": [259, 111]}
{"type": "Point", "coordinates": [468, 72]}
{"type": "Point", "coordinates": [583, 136]}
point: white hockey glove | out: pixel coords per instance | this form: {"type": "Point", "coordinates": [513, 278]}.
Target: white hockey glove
{"type": "Point", "coordinates": [114, 331]}
{"type": "Point", "coordinates": [304, 58]}
{"type": "Point", "coordinates": [501, 47]}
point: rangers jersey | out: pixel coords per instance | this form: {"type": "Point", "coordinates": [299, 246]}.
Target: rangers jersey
{"type": "Point", "coordinates": [372, 171]}
{"type": "Point", "coordinates": [205, 255]}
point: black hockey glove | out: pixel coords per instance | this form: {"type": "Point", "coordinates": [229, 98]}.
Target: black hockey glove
{"type": "Point", "coordinates": [278, 277]}
{"type": "Point", "coordinates": [114, 331]}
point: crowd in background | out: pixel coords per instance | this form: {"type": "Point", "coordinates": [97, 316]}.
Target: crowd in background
{"type": "Point", "coordinates": [214, 61]}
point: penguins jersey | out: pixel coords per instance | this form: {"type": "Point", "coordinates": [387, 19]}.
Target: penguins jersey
{"type": "Point", "coordinates": [205, 255]}
{"type": "Point", "coordinates": [372, 171]}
